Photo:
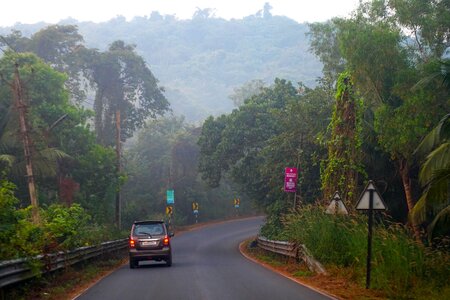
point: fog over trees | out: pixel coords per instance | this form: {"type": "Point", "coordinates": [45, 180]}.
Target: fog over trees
{"type": "Point", "coordinates": [202, 60]}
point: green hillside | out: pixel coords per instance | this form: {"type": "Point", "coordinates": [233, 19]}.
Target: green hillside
{"type": "Point", "coordinates": [200, 61]}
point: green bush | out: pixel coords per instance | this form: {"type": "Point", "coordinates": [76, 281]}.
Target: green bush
{"type": "Point", "coordinates": [8, 219]}
{"type": "Point", "coordinates": [61, 228]}
{"type": "Point", "coordinates": [273, 228]}
{"type": "Point", "coordinates": [399, 264]}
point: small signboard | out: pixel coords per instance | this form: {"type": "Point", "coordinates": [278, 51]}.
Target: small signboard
{"type": "Point", "coordinates": [195, 208]}
{"type": "Point", "coordinates": [169, 210]}
{"type": "Point", "coordinates": [237, 202]}
{"type": "Point", "coordinates": [170, 196]}
{"type": "Point", "coordinates": [290, 180]}
{"type": "Point", "coordinates": [364, 200]}
{"type": "Point", "coordinates": [337, 206]}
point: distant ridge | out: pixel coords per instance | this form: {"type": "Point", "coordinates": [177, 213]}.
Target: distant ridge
{"type": "Point", "coordinates": [200, 61]}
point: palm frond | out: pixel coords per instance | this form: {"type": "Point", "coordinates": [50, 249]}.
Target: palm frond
{"type": "Point", "coordinates": [436, 160]}
{"type": "Point", "coordinates": [442, 220]}
{"type": "Point", "coordinates": [9, 159]}
{"type": "Point", "coordinates": [426, 80]}
{"type": "Point", "coordinates": [440, 133]}
{"type": "Point", "coordinates": [419, 213]}
{"type": "Point", "coordinates": [45, 163]}
{"type": "Point", "coordinates": [53, 154]}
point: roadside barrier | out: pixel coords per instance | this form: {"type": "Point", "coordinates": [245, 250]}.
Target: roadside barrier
{"type": "Point", "coordinates": [17, 270]}
{"type": "Point", "coordinates": [297, 251]}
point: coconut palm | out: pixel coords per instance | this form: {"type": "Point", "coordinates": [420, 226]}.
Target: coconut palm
{"type": "Point", "coordinates": [435, 178]}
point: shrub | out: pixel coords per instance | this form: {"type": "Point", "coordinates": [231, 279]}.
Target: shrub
{"type": "Point", "coordinates": [398, 262]}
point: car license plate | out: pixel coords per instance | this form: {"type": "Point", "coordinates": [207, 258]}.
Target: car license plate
{"type": "Point", "coordinates": [149, 243]}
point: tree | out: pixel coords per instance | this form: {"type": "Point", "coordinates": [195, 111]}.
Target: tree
{"type": "Point", "coordinates": [273, 129]}
{"type": "Point", "coordinates": [343, 164]}
{"type": "Point", "coordinates": [246, 91]}
{"type": "Point", "coordinates": [126, 94]}
{"type": "Point", "coordinates": [165, 156]}
{"type": "Point", "coordinates": [58, 46]}
{"type": "Point", "coordinates": [385, 78]}
{"type": "Point", "coordinates": [435, 178]}
{"type": "Point", "coordinates": [45, 87]}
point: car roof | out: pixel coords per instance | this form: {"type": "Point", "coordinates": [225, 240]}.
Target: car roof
{"type": "Point", "coordinates": [148, 222]}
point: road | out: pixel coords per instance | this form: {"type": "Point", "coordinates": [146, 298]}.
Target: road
{"type": "Point", "coordinates": [207, 264]}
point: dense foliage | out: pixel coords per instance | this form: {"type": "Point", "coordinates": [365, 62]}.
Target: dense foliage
{"type": "Point", "coordinates": [385, 119]}
{"type": "Point", "coordinates": [201, 61]}
{"type": "Point", "coordinates": [397, 92]}
{"type": "Point", "coordinates": [165, 156]}
{"type": "Point", "coordinates": [271, 130]}
{"type": "Point", "coordinates": [62, 228]}
{"type": "Point", "coordinates": [400, 266]}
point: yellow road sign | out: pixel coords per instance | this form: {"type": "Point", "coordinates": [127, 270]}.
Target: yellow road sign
{"type": "Point", "coordinates": [169, 210]}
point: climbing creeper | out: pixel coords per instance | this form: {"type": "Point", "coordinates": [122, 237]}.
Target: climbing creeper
{"type": "Point", "coordinates": [341, 169]}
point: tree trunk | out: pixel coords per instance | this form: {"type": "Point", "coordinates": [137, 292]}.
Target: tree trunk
{"type": "Point", "coordinates": [119, 170]}
{"type": "Point", "coordinates": [404, 173]}
{"type": "Point", "coordinates": [21, 107]}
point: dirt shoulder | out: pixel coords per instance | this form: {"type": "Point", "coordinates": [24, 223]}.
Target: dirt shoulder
{"type": "Point", "coordinates": [336, 283]}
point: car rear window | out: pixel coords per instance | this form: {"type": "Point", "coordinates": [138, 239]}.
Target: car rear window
{"type": "Point", "coordinates": [151, 229]}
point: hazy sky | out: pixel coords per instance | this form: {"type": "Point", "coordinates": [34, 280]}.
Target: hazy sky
{"type": "Point", "coordinates": [52, 11]}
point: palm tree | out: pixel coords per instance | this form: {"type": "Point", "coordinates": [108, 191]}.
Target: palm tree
{"type": "Point", "coordinates": [435, 178]}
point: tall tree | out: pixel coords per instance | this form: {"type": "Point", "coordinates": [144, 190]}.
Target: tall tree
{"type": "Point", "coordinates": [343, 164]}
{"type": "Point", "coordinates": [126, 94]}
{"type": "Point", "coordinates": [385, 78]}
{"type": "Point", "coordinates": [34, 87]}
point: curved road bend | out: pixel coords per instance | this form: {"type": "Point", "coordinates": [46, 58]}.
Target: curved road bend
{"type": "Point", "coordinates": [207, 265]}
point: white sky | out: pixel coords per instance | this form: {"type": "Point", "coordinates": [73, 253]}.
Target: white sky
{"type": "Point", "coordinates": [52, 11]}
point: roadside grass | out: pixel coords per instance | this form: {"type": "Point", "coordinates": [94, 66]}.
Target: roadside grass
{"type": "Point", "coordinates": [64, 284]}
{"type": "Point", "coordinates": [401, 268]}
{"type": "Point", "coordinates": [336, 282]}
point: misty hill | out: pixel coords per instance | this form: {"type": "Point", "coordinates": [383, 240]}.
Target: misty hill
{"type": "Point", "coordinates": [200, 61]}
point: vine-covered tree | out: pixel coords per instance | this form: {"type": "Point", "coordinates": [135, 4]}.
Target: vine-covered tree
{"type": "Point", "coordinates": [343, 164]}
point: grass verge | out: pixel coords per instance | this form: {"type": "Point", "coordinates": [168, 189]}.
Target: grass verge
{"type": "Point", "coordinates": [336, 283]}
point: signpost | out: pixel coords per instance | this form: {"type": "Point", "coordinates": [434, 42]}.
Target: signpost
{"type": "Point", "coordinates": [337, 206]}
{"type": "Point", "coordinates": [170, 195]}
{"type": "Point", "coordinates": [170, 198]}
{"type": "Point", "coordinates": [290, 180]}
{"type": "Point", "coordinates": [237, 203]}
{"type": "Point", "coordinates": [169, 210]}
{"type": "Point", "coordinates": [195, 210]}
{"type": "Point", "coordinates": [370, 200]}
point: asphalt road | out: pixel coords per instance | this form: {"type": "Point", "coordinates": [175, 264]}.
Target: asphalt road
{"type": "Point", "coordinates": [207, 264]}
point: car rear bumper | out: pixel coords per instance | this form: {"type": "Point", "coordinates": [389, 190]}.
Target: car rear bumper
{"type": "Point", "coordinates": [150, 254]}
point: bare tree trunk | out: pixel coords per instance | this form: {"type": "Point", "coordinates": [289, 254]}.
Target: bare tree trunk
{"type": "Point", "coordinates": [404, 173]}
{"type": "Point", "coordinates": [119, 170]}
{"type": "Point", "coordinates": [21, 107]}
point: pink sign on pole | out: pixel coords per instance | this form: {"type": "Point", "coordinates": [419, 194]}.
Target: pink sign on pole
{"type": "Point", "coordinates": [290, 180]}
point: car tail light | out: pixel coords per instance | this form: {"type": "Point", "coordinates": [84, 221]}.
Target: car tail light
{"type": "Point", "coordinates": [166, 241]}
{"type": "Point", "coordinates": [132, 243]}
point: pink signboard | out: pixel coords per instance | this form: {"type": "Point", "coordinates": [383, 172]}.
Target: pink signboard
{"type": "Point", "coordinates": [290, 180]}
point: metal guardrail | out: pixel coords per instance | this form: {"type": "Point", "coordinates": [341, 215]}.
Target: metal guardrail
{"type": "Point", "coordinates": [13, 271]}
{"type": "Point", "coordinates": [280, 247]}
{"type": "Point", "coordinates": [297, 251]}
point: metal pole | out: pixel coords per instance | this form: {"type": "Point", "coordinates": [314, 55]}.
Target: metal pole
{"type": "Point", "coordinates": [369, 239]}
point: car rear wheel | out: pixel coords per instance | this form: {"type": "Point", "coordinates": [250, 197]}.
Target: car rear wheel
{"type": "Point", "coordinates": [133, 264]}
{"type": "Point", "coordinates": [169, 261]}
